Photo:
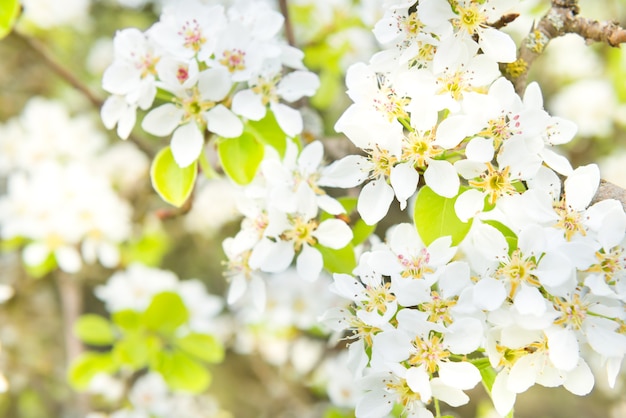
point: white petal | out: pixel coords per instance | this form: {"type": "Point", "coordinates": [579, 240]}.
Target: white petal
{"type": "Point", "coordinates": [480, 149]}
{"type": "Point", "coordinates": [489, 294]}
{"type": "Point", "coordinates": [297, 84]}
{"type": "Point", "coordinates": [309, 263]}
{"type": "Point", "coordinates": [333, 233]}
{"type": "Point", "coordinates": [581, 186]}
{"type": "Point", "coordinates": [162, 120]}
{"type": "Point", "coordinates": [289, 120]}
{"type": "Point", "coordinates": [344, 173]}
{"type": "Point", "coordinates": [330, 205]}
{"type": "Point", "coordinates": [580, 380]}
{"type": "Point", "coordinates": [468, 204]}
{"type": "Point", "coordinates": [503, 399]}
{"type": "Point", "coordinates": [248, 104]}
{"type": "Point", "coordinates": [237, 288]}
{"type": "Point", "coordinates": [258, 292]}
{"type": "Point", "coordinates": [419, 382]}
{"type": "Point", "coordinates": [272, 257]}
{"type": "Point", "coordinates": [186, 144]}
{"type": "Point", "coordinates": [557, 162]}
{"type": "Point", "coordinates": [214, 84]}
{"type": "Point", "coordinates": [554, 269]}
{"type": "Point", "coordinates": [223, 122]}
{"type": "Point", "coordinates": [404, 178]}
{"type": "Point", "coordinates": [450, 395]}
{"type": "Point", "coordinates": [466, 336]}
{"type": "Point", "coordinates": [529, 301]}
{"type": "Point", "coordinates": [498, 45]}
{"type": "Point", "coordinates": [68, 259]}
{"type": "Point", "coordinates": [442, 178]}
{"type": "Point", "coordinates": [460, 375]}
{"type": "Point", "coordinates": [563, 349]}
{"type": "Point", "coordinates": [374, 201]}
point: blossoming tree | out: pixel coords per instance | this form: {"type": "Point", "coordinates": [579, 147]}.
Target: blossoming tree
{"type": "Point", "coordinates": [509, 270]}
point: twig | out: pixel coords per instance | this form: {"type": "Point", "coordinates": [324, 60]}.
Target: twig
{"type": "Point", "coordinates": [561, 19]}
{"type": "Point", "coordinates": [284, 9]}
{"type": "Point", "coordinates": [71, 301]}
{"type": "Point", "coordinates": [42, 51]}
{"type": "Point", "coordinates": [610, 191]}
{"type": "Point", "coordinates": [504, 20]}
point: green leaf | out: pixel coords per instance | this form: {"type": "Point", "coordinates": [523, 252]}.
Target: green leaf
{"type": "Point", "coordinates": [128, 320]}
{"type": "Point", "coordinates": [180, 372]}
{"type": "Point", "coordinates": [172, 183]}
{"type": "Point", "coordinates": [336, 412]}
{"type": "Point", "coordinates": [330, 88]}
{"type": "Point", "coordinates": [360, 230]}
{"type": "Point", "coordinates": [487, 372]}
{"type": "Point", "coordinates": [268, 132]}
{"type": "Point", "coordinates": [132, 351]}
{"type": "Point", "coordinates": [434, 217]}
{"type": "Point", "coordinates": [509, 235]}
{"type": "Point", "coordinates": [204, 347]}
{"type": "Point", "coordinates": [165, 314]}
{"type": "Point", "coordinates": [148, 249]}
{"type": "Point", "coordinates": [342, 260]}
{"type": "Point", "coordinates": [9, 11]}
{"type": "Point", "coordinates": [87, 365]}
{"type": "Point", "coordinates": [42, 269]}
{"type": "Point", "coordinates": [241, 157]}
{"type": "Point", "coordinates": [94, 330]}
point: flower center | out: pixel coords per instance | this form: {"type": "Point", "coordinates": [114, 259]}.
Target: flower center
{"type": "Point", "coordinates": [234, 60]}
{"type": "Point", "coordinates": [569, 220]}
{"type": "Point", "coordinates": [301, 232]}
{"type": "Point", "coordinates": [428, 352]}
{"type": "Point", "coordinates": [389, 103]}
{"type": "Point", "coordinates": [573, 312]}
{"type": "Point", "coordinates": [611, 264]}
{"type": "Point", "coordinates": [415, 267]}
{"type": "Point", "coordinates": [382, 160]}
{"type": "Point", "coordinates": [470, 18]}
{"type": "Point", "coordinates": [419, 148]}
{"type": "Point", "coordinates": [266, 88]}
{"type": "Point", "coordinates": [192, 35]}
{"type": "Point", "coordinates": [438, 309]}
{"type": "Point", "coordinates": [495, 183]}
{"type": "Point", "coordinates": [518, 270]}
{"type": "Point", "coordinates": [377, 298]}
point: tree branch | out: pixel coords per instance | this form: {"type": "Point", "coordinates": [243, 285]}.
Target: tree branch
{"type": "Point", "coordinates": [42, 51]}
{"type": "Point", "coordinates": [561, 19]}
{"type": "Point", "coordinates": [284, 9]}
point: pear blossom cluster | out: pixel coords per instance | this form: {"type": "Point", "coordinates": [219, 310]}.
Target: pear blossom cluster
{"type": "Point", "coordinates": [61, 203]}
{"type": "Point", "coordinates": [535, 289]}
{"type": "Point", "coordinates": [283, 222]}
{"type": "Point", "coordinates": [205, 70]}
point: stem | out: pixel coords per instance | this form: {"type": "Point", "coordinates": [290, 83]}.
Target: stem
{"type": "Point", "coordinates": [284, 9]}
{"type": "Point", "coordinates": [437, 408]}
{"type": "Point", "coordinates": [50, 60]}
{"type": "Point", "coordinates": [71, 301]}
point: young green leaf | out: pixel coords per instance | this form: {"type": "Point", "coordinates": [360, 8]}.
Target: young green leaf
{"type": "Point", "coordinates": [127, 319]}
{"type": "Point", "coordinates": [202, 346]}
{"type": "Point", "coordinates": [172, 183]}
{"type": "Point", "coordinates": [94, 330]}
{"type": "Point", "coordinates": [165, 313]}
{"type": "Point", "coordinates": [9, 12]}
{"type": "Point", "coordinates": [87, 365]}
{"type": "Point", "coordinates": [435, 217]}
{"type": "Point", "coordinates": [180, 372]}
{"type": "Point", "coordinates": [131, 351]}
{"type": "Point", "coordinates": [268, 132]}
{"type": "Point", "coordinates": [342, 260]}
{"type": "Point", "coordinates": [240, 157]}
{"type": "Point", "coordinates": [487, 372]}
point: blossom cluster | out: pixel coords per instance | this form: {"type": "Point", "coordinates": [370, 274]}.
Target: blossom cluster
{"type": "Point", "coordinates": [534, 286]}
{"type": "Point", "coordinates": [212, 68]}
{"type": "Point", "coordinates": [62, 199]}
{"type": "Point", "coordinates": [283, 221]}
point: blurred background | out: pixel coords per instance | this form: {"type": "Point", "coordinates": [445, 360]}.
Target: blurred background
{"type": "Point", "coordinates": [279, 364]}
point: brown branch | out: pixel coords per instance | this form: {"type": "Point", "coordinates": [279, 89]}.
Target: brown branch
{"type": "Point", "coordinates": [561, 19]}
{"type": "Point", "coordinates": [284, 9]}
{"type": "Point", "coordinates": [51, 61]}
{"type": "Point", "coordinates": [610, 191]}
{"type": "Point", "coordinates": [504, 20]}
